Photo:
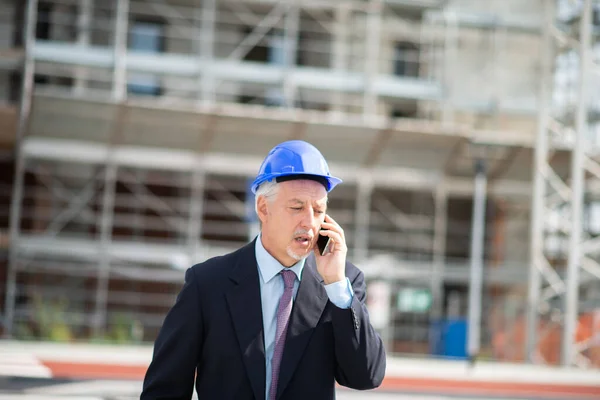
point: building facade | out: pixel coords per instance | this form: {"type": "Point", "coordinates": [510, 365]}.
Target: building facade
{"type": "Point", "coordinates": [131, 129]}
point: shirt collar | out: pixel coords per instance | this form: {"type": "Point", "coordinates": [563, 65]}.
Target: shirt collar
{"type": "Point", "coordinates": [268, 266]}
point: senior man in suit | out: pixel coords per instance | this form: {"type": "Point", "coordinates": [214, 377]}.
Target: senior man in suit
{"type": "Point", "coordinates": [275, 319]}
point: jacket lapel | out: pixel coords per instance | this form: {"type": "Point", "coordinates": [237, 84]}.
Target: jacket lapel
{"type": "Point", "coordinates": [246, 313]}
{"type": "Point", "coordinates": [310, 302]}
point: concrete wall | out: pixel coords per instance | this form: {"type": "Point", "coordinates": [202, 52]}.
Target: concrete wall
{"type": "Point", "coordinates": [498, 67]}
{"type": "Point", "coordinates": [484, 67]}
{"type": "Point", "coordinates": [494, 66]}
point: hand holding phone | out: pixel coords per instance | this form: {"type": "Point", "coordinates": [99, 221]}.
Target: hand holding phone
{"type": "Point", "coordinates": [330, 251]}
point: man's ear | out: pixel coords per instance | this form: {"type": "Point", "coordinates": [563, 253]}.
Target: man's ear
{"type": "Point", "coordinates": [262, 208]}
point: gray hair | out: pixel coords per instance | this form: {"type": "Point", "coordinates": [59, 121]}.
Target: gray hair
{"type": "Point", "coordinates": [268, 190]}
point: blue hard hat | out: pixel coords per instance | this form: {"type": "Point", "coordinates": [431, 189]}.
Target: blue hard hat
{"type": "Point", "coordinates": [295, 159]}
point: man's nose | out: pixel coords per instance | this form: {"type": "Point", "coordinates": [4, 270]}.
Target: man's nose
{"type": "Point", "coordinates": [308, 219]}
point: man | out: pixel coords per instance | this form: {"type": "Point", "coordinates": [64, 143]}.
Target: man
{"type": "Point", "coordinates": [274, 319]}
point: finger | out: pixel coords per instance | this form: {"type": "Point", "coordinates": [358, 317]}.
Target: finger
{"type": "Point", "coordinates": [330, 226]}
{"type": "Point", "coordinates": [337, 238]}
{"type": "Point", "coordinates": [330, 220]}
{"type": "Point", "coordinates": [335, 227]}
{"type": "Point", "coordinates": [336, 246]}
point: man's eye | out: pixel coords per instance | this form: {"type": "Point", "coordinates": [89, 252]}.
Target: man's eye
{"type": "Point", "coordinates": [319, 212]}
{"type": "Point", "coordinates": [297, 208]}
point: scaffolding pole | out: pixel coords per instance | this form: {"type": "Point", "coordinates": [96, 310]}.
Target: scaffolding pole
{"type": "Point", "coordinates": [106, 223]}
{"type": "Point", "coordinates": [291, 26]}
{"type": "Point", "coordinates": [340, 50]}
{"type": "Point", "coordinates": [477, 250]}
{"type": "Point", "coordinates": [84, 20]}
{"type": "Point", "coordinates": [209, 14]}
{"type": "Point", "coordinates": [439, 250]}
{"type": "Point", "coordinates": [568, 350]}
{"type": "Point", "coordinates": [17, 196]}
{"type": "Point", "coordinates": [107, 216]}
{"type": "Point", "coordinates": [451, 37]}
{"type": "Point", "coordinates": [119, 89]}
{"type": "Point", "coordinates": [538, 203]}
{"type": "Point", "coordinates": [372, 53]}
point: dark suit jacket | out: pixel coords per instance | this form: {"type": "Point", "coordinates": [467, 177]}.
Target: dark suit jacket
{"type": "Point", "coordinates": [215, 330]}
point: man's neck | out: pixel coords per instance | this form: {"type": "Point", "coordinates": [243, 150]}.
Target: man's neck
{"type": "Point", "coordinates": [284, 259]}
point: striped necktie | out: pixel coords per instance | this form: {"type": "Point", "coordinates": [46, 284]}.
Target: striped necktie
{"type": "Point", "coordinates": [283, 316]}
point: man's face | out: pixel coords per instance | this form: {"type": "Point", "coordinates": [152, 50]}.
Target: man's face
{"type": "Point", "coordinates": [291, 221]}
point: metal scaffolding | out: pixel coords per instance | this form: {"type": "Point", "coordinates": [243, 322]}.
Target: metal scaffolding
{"type": "Point", "coordinates": [564, 254]}
{"type": "Point", "coordinates": [23, 119]}
{"type": "Point", "coordinates": [148, 118]}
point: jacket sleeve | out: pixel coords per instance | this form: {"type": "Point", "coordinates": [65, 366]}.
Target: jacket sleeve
{"type": "Point", "coordinates": [172, 369]}
{"type": "Point", "coordinates": [359, 351]}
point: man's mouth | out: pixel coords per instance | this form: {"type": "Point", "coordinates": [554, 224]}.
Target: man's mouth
{"type": "Point", "coordinates": [302, 239]}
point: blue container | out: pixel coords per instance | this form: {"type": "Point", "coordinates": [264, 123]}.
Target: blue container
{"type": "Point", "coordinates": [456, 338]}
{"type": "Point", "coordinates": [448, 338]}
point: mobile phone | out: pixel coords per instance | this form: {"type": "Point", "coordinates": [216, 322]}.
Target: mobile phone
{"type": "Point", "coordinates": [324, 243]}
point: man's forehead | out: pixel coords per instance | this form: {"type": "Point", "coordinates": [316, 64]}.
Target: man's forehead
{"type": "Point", "coordinates": [305, 187]}
{"type": "Point", "coordinates": [320, 202]}
{"type": "Point", "coordinates": [303, 191]}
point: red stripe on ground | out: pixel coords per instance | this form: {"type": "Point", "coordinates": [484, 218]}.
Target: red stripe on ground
{"type": "Point", "coordinates": [62, 369]}
{"type": "Point", "coordinates": [511, 389]}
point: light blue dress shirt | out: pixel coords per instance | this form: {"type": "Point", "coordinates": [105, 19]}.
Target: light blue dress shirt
{"type": "Point", "coordinates": [271, 288]}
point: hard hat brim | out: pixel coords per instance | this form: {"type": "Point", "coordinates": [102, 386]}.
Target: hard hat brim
{"type": "Point", "coordinates": [332, 181]}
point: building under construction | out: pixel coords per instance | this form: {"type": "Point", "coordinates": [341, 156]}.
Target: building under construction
{"type": "Point", "coordinates": [465, 132]}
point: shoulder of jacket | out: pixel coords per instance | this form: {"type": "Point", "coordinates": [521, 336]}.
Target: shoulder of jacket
{"type": "Point", "coordinates": [216, 266]}
{"type": "Point", "coordinates": [352, 270]}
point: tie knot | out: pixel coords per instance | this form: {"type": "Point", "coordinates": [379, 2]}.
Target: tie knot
{"type": "Point", "coordinates": [289, 277]}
